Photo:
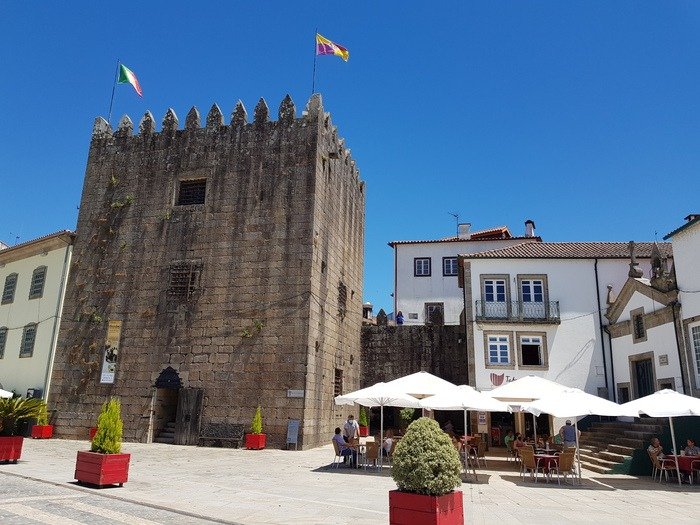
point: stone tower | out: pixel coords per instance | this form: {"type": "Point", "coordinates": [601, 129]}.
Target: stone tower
{"type": "Point", "coordinates": [216, 269]}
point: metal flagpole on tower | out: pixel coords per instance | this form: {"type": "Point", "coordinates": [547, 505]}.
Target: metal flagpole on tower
{"type": "Point", "coordinates": [313, 79]}
{"type": "Point", "coordinates": [111, 100]}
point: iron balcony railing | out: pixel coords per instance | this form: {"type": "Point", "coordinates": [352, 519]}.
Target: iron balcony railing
{"type": "Point", "coordinates": [518, 311]}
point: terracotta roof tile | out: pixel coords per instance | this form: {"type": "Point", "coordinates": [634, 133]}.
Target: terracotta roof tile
{"type": "Point", "coordinates": [572, 250]}
{"type": "Point", "coordinates": [491, 234]}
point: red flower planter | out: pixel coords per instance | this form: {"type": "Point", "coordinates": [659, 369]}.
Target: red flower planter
{"type": "Point", "coordinates": [42, 431]}
{"type": "Point", "coordinates": [406, 508]}
{"type": "Point", "coordinates": [102, 469]}
{"type": "Point", "coordinates": [255, 441]}
{"type": "Point", "coordinates": [93, 431]}
{"type": "Point", "coordinates": [11, 448]}
{"type": "Point", "coordinates": [364, 431]}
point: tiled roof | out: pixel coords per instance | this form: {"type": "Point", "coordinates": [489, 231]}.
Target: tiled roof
{"type": "Point", "coordinates": [692, 219]}
{"type": "Point", "coordinates": [491, 234]}
{"type": "Point", "coordinates": [38, 240]}
{"type": "Point", "coordinates": [572, 250]}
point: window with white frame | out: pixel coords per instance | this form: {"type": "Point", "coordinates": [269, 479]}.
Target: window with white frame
{"type": "Point", "coordinates": [495, 290]}
{"type": "Point", "coordinates": [695, 334]}
{"type": "Point", "coordinates": [532, 290]}
{"type": "Point", "coordinates": [449, 266]}
{"type": "Point", "coordinates": [421, 267]}
{"type": "Point", "coordinates": [499, 349]}
{"type": "Point", "coordinates": [531, 350]}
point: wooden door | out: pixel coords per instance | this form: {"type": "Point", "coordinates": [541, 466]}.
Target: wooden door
{"type": "Point", "coordinates": [189, 412]}
{"type": "Point", "coordinates": [645, 377]}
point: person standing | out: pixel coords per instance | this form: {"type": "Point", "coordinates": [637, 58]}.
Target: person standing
{"type": "Point", "coordinates": [351, 430]}
{"type": "Point", "coordinates": [568, 434]}
{"type": "Point", "coordinates": [399, 318]}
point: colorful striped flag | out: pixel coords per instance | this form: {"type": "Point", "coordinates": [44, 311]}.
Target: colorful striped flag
{"type": "Point", "coordinates": [326, 47]}
{"type": "Point", "coordinates": [126, 76]}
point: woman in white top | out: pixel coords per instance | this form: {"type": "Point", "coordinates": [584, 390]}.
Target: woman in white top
{"type": "Point", "coordinates": [388, 442]}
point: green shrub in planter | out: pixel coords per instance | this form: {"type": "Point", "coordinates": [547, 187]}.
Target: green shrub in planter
{"type": "Point", "coordinates": [425, 461]}
{"type": "Point", "coordinates": [108, 439]}
{"type": "Point", "coordinates": [363, 420]}
{"type": "Point", "coordinates": [42, 417]}
{"type": "Point", "coordinates": [15, 409]}
{"type": "Point", "coordinates": [256, 424]}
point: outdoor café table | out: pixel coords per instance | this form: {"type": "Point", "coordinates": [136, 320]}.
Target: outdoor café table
{"type": "Point", "coordinates": [684, 462]}
{"type": "Point", "coordinates": [545, 460]}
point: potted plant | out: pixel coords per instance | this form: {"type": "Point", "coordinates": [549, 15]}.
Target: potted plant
{"type": "Point", "coordinates": [256, 439]}
{"type": "Point", "coordinates": [42, 429]}
{"type": "Point", "coordinates": [426, 468]}
{"type": "Point", "coordinates": [363, 420]}
{"type": "Point", "coordinates": [11, 412]}
{"type": "Point", "coordinates": [105, 464]}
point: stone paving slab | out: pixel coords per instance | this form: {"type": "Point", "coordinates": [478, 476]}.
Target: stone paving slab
{"type": "Point", "coordinates": [280, 487]}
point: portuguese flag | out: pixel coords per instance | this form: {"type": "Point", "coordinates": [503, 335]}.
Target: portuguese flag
{"type": "Point", "coordinates": [126, 76]}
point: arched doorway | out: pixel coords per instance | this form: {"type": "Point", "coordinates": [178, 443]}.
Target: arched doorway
{"type": "Point", "coordinates": [165, 401]}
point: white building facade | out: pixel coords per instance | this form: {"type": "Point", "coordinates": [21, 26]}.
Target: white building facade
{"type": "Point", "coordinates": [686, 250]}
{"type": "Point", "coordinates": [538, 308]}
{"type": "Point", "coordinates": [33, 279]}
{"type": "Point", "coordinates": [426, 272]}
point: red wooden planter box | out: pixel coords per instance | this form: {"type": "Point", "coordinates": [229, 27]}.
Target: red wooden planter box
{"type": "Point", "coordinates": [92, 432]}
{"type": "Point", "coordinates": [11, 448]}
{"type": "Point", "coordinates": [102, 469]}
{"type": "Point", "coordinates": [406, 508]}
{"type": "Point", "coordinates": [42, 431]}
{"type": "Point", "coordinates": [255, 441]}
{"type": "Point", "coordinates": [364, 431]}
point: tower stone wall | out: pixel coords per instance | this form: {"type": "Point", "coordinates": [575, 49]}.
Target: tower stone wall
{"type": "Point", "coordinates": [248, 295]}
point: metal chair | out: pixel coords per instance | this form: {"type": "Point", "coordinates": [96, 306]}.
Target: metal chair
{"type": "Point", "coordinates": [694, 467]}
{"type": "Point", "coordinates": [564, 466]}
{"type": "Point", "coordinates": [528, 463]}
{"type": "Point", "coordinates": [372, 454]}
{"type": "Point", "coordinates": [662, 466]}
{"type": "Point", "coordinates": [338, 459]}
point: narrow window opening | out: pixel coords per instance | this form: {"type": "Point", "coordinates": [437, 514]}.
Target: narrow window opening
{"type": "Point", "coordinates": [338, 386]}
{"type": "Point", "coordinates": [36, 288]}
{"type": "Point", "coordinates": [191, 192]}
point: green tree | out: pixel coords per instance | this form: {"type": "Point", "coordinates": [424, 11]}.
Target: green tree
{"type": "Point", "coordinates": [363, 420]}
{"type": "Point", "coordinates": [425, 461]}
{"type": "Point", "coordinates": [256, 424]}
{"type": "Point", "coordinates": [108, 439]}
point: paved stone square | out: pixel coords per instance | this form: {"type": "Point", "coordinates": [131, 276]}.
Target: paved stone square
{"type": "Point", "coordinates": [280, 487]}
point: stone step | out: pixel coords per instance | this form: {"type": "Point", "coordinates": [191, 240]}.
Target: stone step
{"type": "Point", "coordinates": [169, 441]}
{"type": "Point", "coordinates": [594, 460]}
{"type": "Point", "coordinates": [166, 434]}
{"type": "Point", "coordinates": [621, 449]}
{"type": "Point", "coordinates": [595, 468]}
{"type": "Point", "coordinates": [612, 456]}
{"type": "Point", "coordinates": [170, 424]}
{"type": "Point", "coordinates": [638, 427]}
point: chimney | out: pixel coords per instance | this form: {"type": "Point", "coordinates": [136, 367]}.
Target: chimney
{"type": "Point", "coordinates": [529, 228]}
{"type": "Point", "coordinates": [692, 217]}
{"type": "Point", "coordinates": [463, 231]}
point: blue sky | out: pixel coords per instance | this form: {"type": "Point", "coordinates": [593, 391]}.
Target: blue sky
{"type": "Point", "coordinates": [582, 116]}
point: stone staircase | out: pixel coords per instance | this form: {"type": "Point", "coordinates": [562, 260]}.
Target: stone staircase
{"type": "Point", "coordinates": [608, 446]}
{"type": "Point", "coordinates": [167, 435]}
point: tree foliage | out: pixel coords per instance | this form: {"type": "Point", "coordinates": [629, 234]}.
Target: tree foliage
{"type": "Point", "coordinates": [256, 424]}
{"type": "Point", "coordinates": [425, 461]}
{"type": "Point", "coordinates": [108, 438]}
{"type": "Point", "coordinates": [363, 420]}
{"type": "Point", "coordinates": [15, 409]}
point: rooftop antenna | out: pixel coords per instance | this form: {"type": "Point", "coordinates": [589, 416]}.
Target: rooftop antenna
{"type": "Point", "coordinates": [456, 216]}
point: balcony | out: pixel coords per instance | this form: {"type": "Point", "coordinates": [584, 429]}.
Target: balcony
{"type": "Point", "coordinates": [518, 312]}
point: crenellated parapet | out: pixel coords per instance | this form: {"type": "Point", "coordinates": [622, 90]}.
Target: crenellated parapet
{"type": "Point", "coordinates": [313, 120]}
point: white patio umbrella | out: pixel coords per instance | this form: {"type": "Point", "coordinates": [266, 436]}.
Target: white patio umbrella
{"type": "Point", "coordinates": [5, 394]}
{"type": "Point", "coordinates": [526, 389]}
{"type": "Point", "coordinates": [464, 397]}
{"type": "Point", "coordinates": [421, 384]}
{"type": "Point", "coordinates": [573, 403]}
{"type": "Point", "coordinates": [665, 403]}
{"type": "Point", "coordinates": [379, 395]}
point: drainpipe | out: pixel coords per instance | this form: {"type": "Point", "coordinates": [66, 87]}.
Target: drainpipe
{"type": "Point", "coordinates": [612, 362]}
{"type": "Point", "coordinates": [57, 320]}
{"type": "Point", "coordinates": [600, 321]}
{"type": "Point", "coordinates": [674, 305]}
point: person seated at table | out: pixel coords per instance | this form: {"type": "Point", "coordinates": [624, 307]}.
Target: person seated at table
{"type": "Point", "coordinates": [388, 443]}
{"type": "Point", "coordinates": [519, 443]}
{"type": "Point", "coordinates": [655, 449]}
{"type": "Point", "coordinates": [345, 450]}
{"type": "Point", "coordinates": [508, 440]}
{"type": "Point", "coordinates": [541, 442]}
{"type": "Point", "coordinates": [449, 428]}
{"type": "Point", "coordinates": [691, 449]}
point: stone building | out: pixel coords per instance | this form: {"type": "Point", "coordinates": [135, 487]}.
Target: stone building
{"type": "Point", "coordinates": [216, 269]}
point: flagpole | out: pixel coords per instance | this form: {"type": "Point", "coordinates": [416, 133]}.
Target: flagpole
{"type": "Point", "coordinates": [313, 79]}
{"type": "Point", "coordinates": [111, 100]}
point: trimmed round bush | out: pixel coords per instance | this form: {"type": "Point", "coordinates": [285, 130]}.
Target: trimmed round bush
{"type": "Point", "coordinates": [425, 461]}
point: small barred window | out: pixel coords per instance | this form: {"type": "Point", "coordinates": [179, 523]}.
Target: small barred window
{"type": "Point", "coordinates": [36, 288]}
{"type": "Point", "coordinates": [184, 279]}
{"type": "Point", "coordinates": [191, 192]}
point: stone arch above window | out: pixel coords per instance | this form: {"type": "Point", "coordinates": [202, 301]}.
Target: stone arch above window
{"type": "Point", "coordinates": [169, 378]}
